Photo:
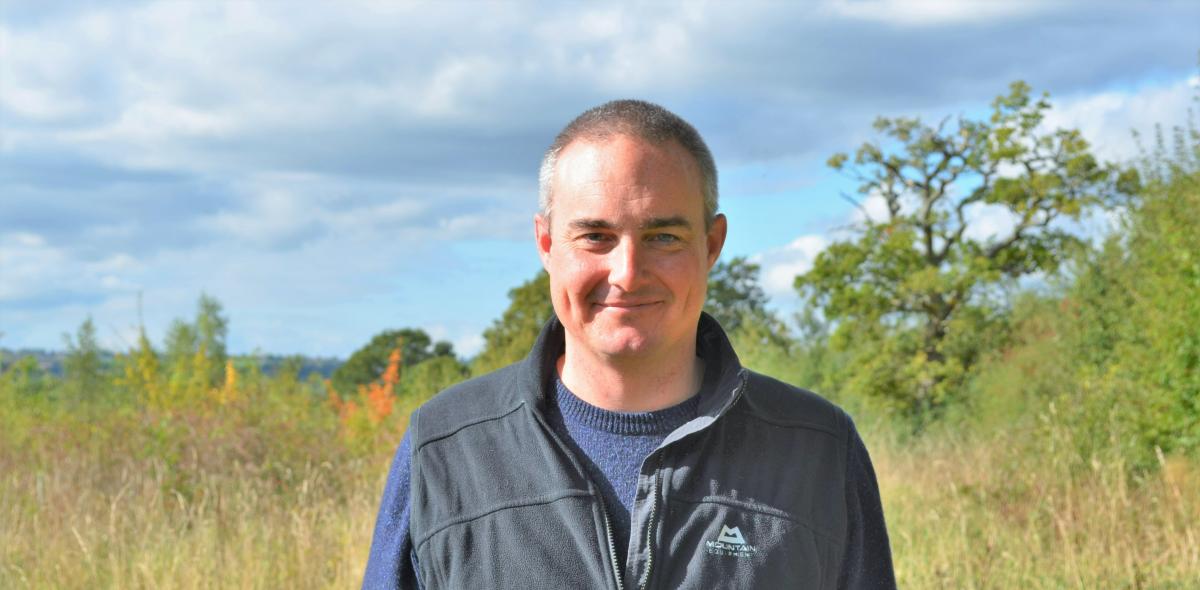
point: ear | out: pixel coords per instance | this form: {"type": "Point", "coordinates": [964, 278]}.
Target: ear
{"type": "Point", "coordinates": [716, 238]}
{"type": "Point", "coordinates": [541, 235]}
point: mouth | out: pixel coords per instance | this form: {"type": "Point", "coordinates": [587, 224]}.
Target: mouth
{"type": "Point", "coordinates": [625, 305]}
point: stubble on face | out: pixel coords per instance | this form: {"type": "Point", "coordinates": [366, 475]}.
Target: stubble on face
{"type": "Point", "coordinates": [628, 252]}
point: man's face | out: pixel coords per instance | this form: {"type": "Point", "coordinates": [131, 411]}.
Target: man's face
{"type": "Point", "coordinates": [627, 251]}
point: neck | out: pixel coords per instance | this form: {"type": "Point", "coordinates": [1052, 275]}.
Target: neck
{"type": "Point", "coordinates": [632, 385]}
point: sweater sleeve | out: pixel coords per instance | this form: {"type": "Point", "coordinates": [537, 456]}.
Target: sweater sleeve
{"type": "Point", "coordinates": [391, 564]}
{"type": "Point", "coordinates": [868, 557]}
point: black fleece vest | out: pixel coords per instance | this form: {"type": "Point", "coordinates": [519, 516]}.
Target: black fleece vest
{"type": "Point", "coordinates": [751, 494]}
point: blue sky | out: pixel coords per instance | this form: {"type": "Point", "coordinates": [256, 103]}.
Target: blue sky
{"type": "Point", "coordinates": [329, 170]}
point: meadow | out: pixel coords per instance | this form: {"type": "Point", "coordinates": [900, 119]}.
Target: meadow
{"type": "Point", "coordinates": [276, 490]}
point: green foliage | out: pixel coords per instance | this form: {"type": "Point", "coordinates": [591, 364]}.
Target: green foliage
{"type": "Point", "coordinates": [196, 352]}
{"type": "Point", "coordinates": [24, 380]}
{"type": "Point", "coordinates": [912, 292]}
{"type": "Point", "coordinates": [1135, 330]}
{"type": "Point", "coordinates": [431, 376]}
{"type": "Point", "coordinates": [368, 363]}
{"type": "Point", "coordinates": [180, 344]}
{"type": "Point", "coordinates": [83, 372]}
{"type": "Point", "coordinates": [1112, 356]}
{"type": "Point", "coordinates": [1166, 246]}
{"type": "Point", "coordinates": [511, 336]}
{"type": "Point", "coordinates": [804, 360]}
{"type": "Point", "coordinates": [735, 297]}
{"type": "Point", "coordinates": [212, 329]}
{"type": "Point", "coordinates": [141, 372]}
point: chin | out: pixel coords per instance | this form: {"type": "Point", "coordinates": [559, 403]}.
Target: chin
{"type": "Point", "coordinates": [622, 343]}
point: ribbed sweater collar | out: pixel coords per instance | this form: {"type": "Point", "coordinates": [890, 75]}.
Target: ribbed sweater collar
{"type": "Point", "coordinates": [538, 371]}
{"type": "Point", "coordinates": [658, 422]}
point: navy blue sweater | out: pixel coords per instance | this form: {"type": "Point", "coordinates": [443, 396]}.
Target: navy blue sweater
{"type": "Point", "coordinates": [612, 446]}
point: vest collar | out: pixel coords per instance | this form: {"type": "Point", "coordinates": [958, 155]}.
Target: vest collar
{"type": "Point", "coordinates": [722, 378]}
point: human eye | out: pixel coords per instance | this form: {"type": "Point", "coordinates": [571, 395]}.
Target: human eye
{"type": "Point", "coordinates": [664, 238]}
{"type": "Point", "coordinates": [594, 240]}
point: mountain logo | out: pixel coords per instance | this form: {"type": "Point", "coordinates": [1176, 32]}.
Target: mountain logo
{"type": "Point", "coordinates": [733, 536]}
{"type": "Point", "coordinates": [730, 543]}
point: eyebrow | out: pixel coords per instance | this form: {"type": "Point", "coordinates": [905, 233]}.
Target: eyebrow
{"type": "Point", "coordinates": [652, 223]}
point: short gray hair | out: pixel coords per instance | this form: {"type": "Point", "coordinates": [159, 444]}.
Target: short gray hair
{"type": "Point", "coordinates": [641, 119]}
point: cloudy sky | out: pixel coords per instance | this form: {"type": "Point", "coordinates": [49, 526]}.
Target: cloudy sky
{"type": "Point", "coordinates": [328, 169]}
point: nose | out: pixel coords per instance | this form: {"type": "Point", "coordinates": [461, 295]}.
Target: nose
{"type": "Point", "coordinates": [625, 265]}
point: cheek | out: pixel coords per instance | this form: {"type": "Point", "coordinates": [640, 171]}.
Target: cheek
{"type": "Point", "coordinates": [684, 272]}
{"type": "Point", "coordinates": [573, 278]}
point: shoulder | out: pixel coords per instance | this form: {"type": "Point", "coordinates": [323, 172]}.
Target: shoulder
{"type": "Point", "coordinates": [475, 400]}
{"type": "Point", "coordinates": [773, 401]}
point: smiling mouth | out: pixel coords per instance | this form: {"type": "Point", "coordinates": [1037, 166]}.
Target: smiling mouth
{"type": "Point", "coordinates": [625, 306]}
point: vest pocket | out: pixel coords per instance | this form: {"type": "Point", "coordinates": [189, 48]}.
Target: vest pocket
{"type": "Point", "coordinates": [724, 543]}
{"type": "Point", "coordinates": [550, 545]}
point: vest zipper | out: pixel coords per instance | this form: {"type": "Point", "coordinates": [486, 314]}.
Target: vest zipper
{"type": "Point", "coordinates": [612, 545]}
{"type": "Point", "coordinates": [651, 524]}
{"type": "Point", "coordinates": [645, 581]}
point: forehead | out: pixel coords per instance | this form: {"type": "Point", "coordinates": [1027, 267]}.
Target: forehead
{"type": "Point", "coordinates": [628, 170]}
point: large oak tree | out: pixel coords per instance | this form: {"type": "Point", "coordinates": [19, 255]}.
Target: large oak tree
{"type": "Point", "coordinates": [910, 291]}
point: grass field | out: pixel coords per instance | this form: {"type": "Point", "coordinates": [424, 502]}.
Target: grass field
{"type": "Point", "coordinates": [1013, 511]}
{"type": "Point", "coordinates": [122, 501]}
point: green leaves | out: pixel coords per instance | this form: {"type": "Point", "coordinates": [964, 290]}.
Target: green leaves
{"type": "Point", "coordinates": [916, 271]}
{"type": "Point", "coordinates": [735, 297]}
{"type": "Point", "coordinates": [83, 372]}
{"type": "Point", "coordinates": [368, 363]}
{"type": "Point", "coordinates": [511, 336]}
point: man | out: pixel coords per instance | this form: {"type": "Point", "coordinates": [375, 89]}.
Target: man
{"type": "Point", "coordinates": [629, 449]}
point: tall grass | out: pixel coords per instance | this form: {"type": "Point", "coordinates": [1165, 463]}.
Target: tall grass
{"type": "Point", "coordinates": [105, 508]}
{"type": "Point", "coordinates": [76, 526]}
{"type": "Point", "coordinates": [1017, 509]}
{"type": "Point", "coordinates": [273, 490]}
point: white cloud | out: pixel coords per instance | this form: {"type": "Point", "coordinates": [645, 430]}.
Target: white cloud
{"type": "Point", "coordinates": [36, 270]}
{"type": "Point", "coordinates": [29, 263]}
{"type": "Point", "coordinates": [467, 343]}
{"type": "Point", "coordinates": [780, 266]}
{"type": "Point", "coordinates": [988, 222]}
{"type": "Point", "coordinates": [155, 121]}
{"type": "Point", "coordinates": [1107, 119]}
{"type": "Point", "coordinates": [874, 208]}
{"type": "Point", "coordinates": [934, 12]}
{"type": "Point", "coordinates": [445, 92]}
{"type": "Point", "coordinates": [272, 217]}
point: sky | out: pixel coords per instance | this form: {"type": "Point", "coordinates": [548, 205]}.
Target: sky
{"type": "Point", "coordinates": [328, 170]}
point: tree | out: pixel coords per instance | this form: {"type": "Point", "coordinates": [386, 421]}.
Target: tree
{"type": "Point", "coordinates": [918, 283]}
{"type": "Point", "coordinates": [511, 337]}
{"type": "Point", "coordinates": [195, 352]}
{"type": "Point", "coordinates": [82, 366]}
{"type": "Point", "coordinates": [432, 375]}
{"type": "Point", "coordinates": [180, 343]}
{"type": "Point", "coordinates": [181, 349]}
{"type": "Point", "coordinates": [1132, 317]}
{"type": "Point", "coordinates": [141, 372]}
{"type": "Point", "coordinates": [212, 328]}
{"type": "Point", "coordinates": [368, 363]}
{"type": "Point", "coordinates": [735, 296]}
{"type": "Point", "coordinates": [24, 378]}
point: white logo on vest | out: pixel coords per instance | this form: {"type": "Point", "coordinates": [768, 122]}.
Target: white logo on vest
{"type": "Point", "coordinates": [730, 542]}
